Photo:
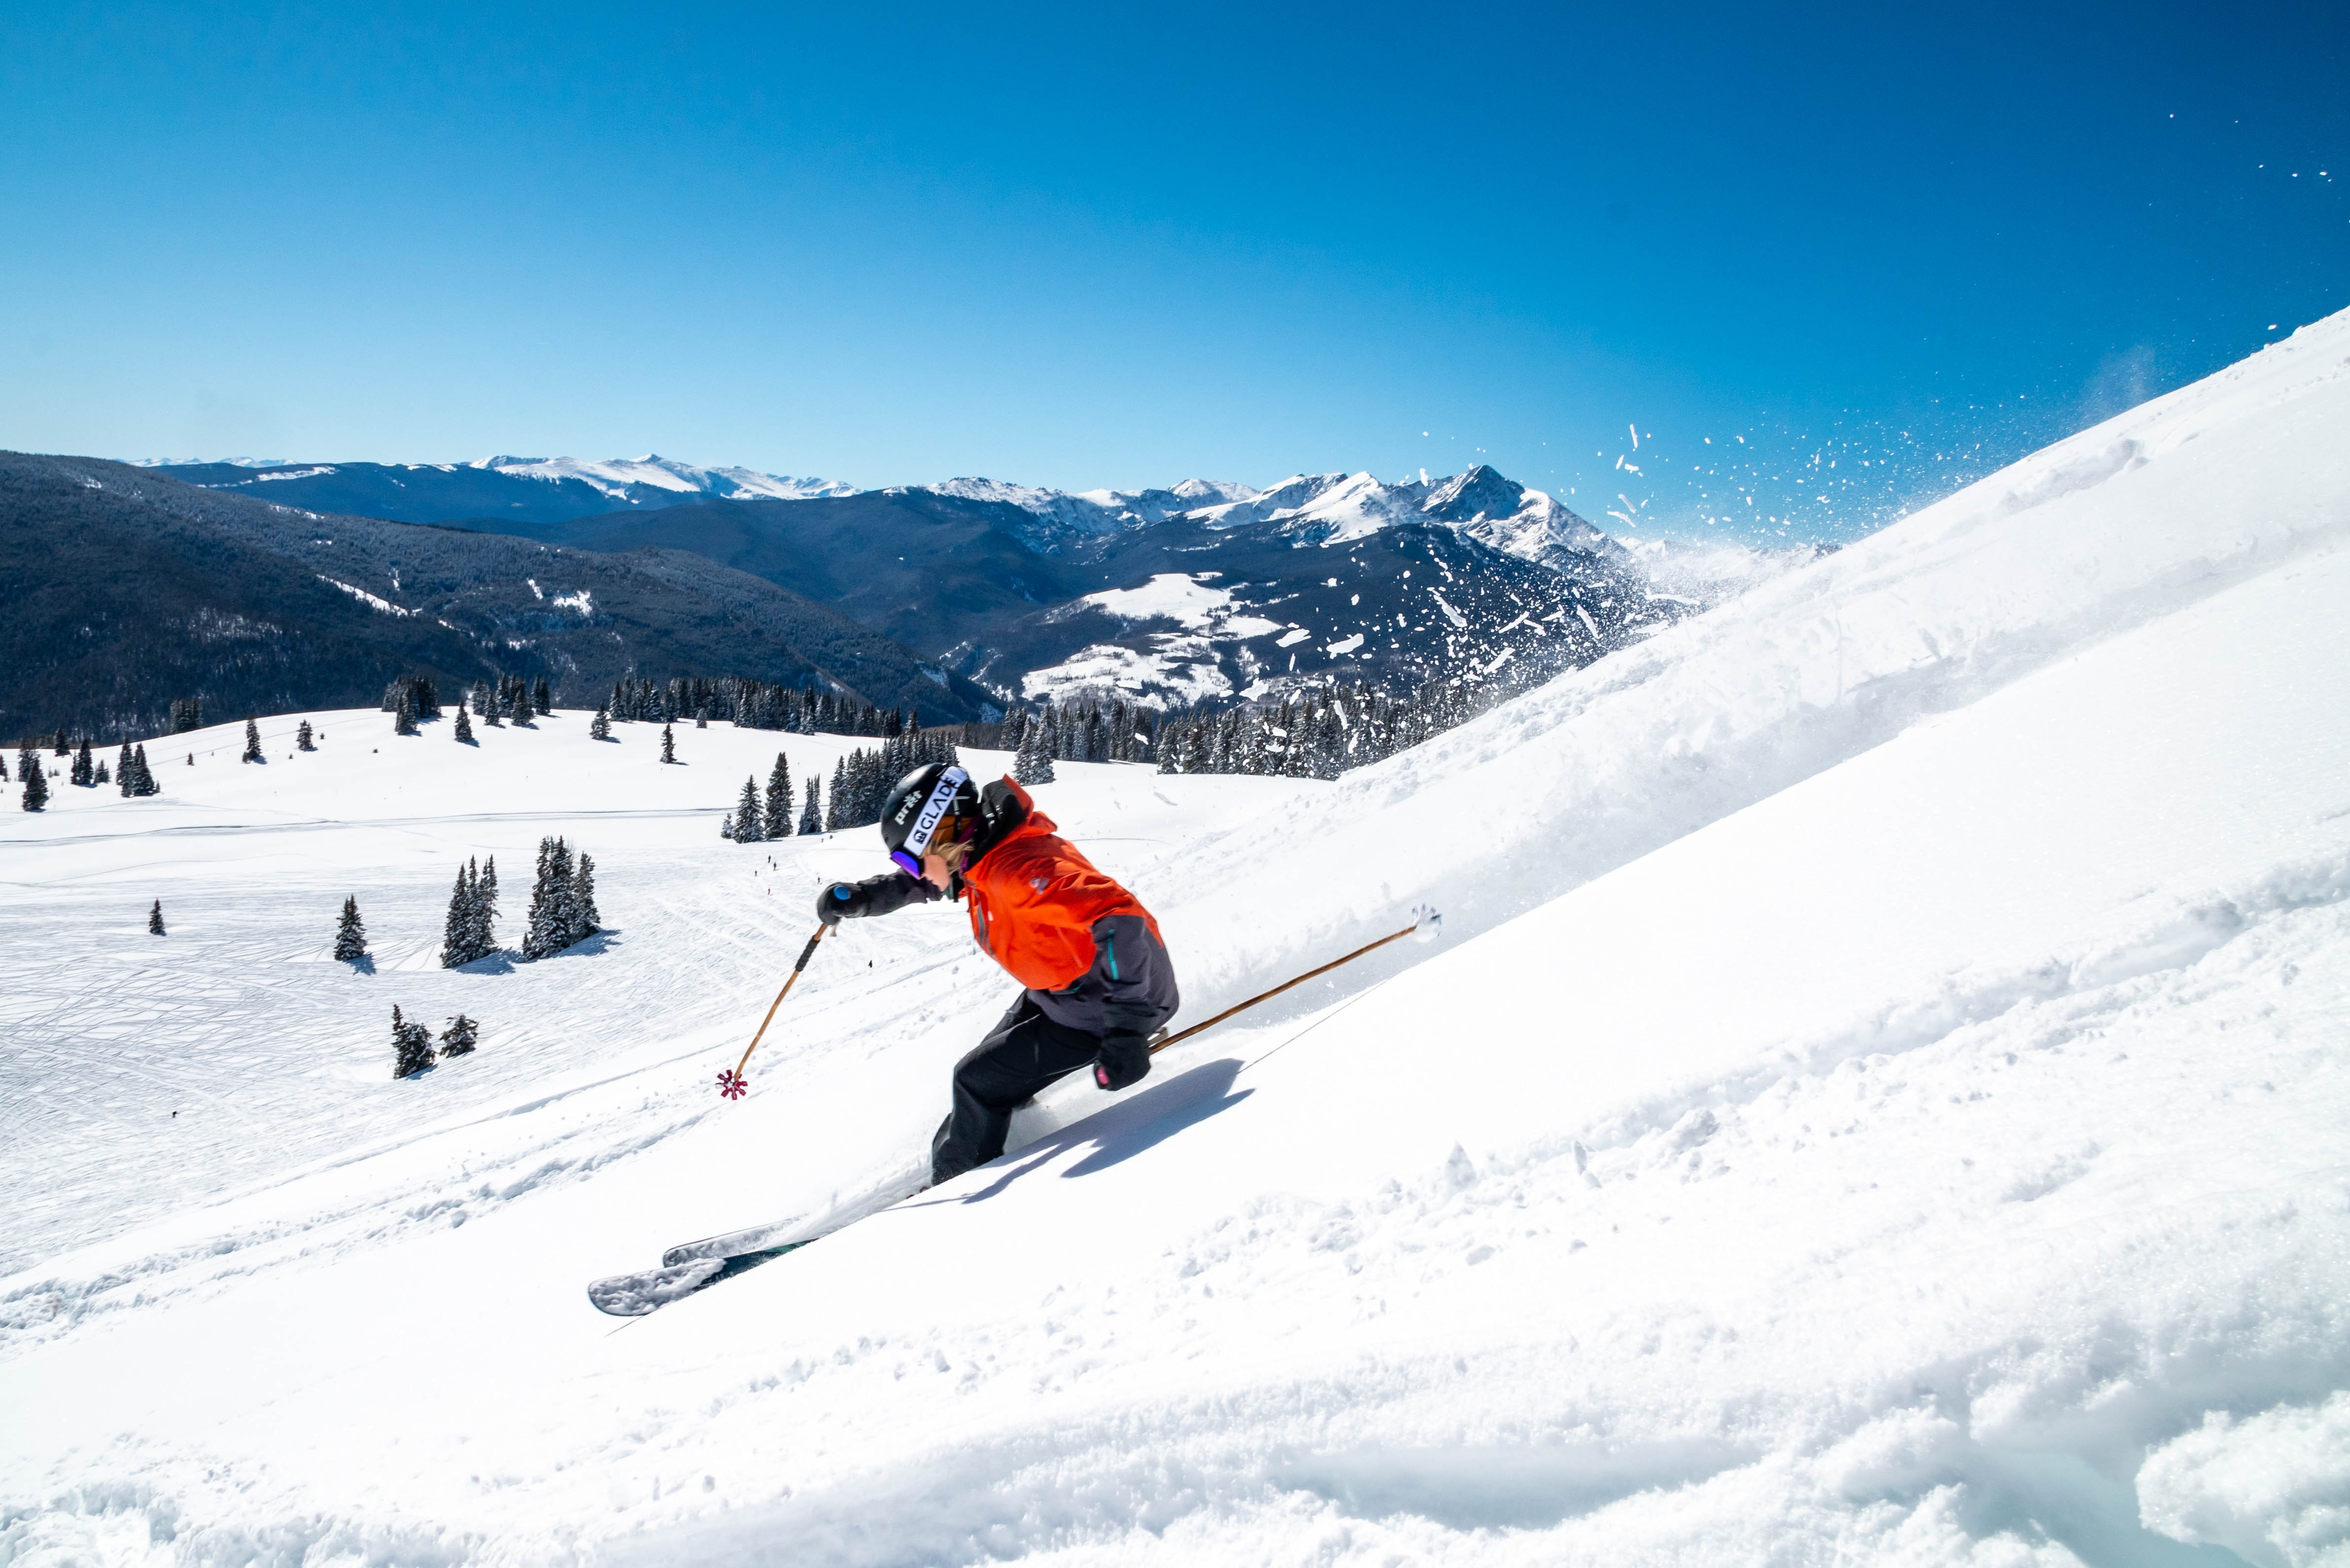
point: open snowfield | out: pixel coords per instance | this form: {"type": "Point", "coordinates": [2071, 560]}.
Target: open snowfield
{"type": "Point", "coordinates": [1880, 1097]}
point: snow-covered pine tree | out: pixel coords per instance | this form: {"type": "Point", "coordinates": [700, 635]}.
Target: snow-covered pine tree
{"type": "Point", "coordinates": [599, 728]}
{"type": "Point", "coordinates": [457, 931]}
{"type": "Point", "coordinates": [836, 817]}
{"type": "Point", "coordinates": [464, 729]}
{"type": "Point", "coordinates": [84, 771]}
{"type": "Point", "coordinates": [155, 919]}
{"type": "Point", "coordinates": [411, 1045]}
{"type": "Point", "coordinates": [1034, 765]}
{"type": "Point", "coordinates": [458, 1039]}
{"type": "Point", "coordinates": [302, 737]}
{"type": "Point", "coordinates": [586, 919]}
{"type": "Point", "coordinates": [480, 696]}
{"type": "Point", "coordinates": [555, 910]}
{"type": "Point", "coordinates": [543, 697]}
{"type": "Point", "coordinates": [537, 925]}
{"type": "Point", "coordinates": [64, 747]}
{"type": "Point", "coordinates": [187, 713]}
{"type": "Point", "coordinates": [811, 814]}
{"type": "Point", "coordinates": [252, 741]}
{"type": "Point", "coordinates": [669, 743]}
{"type": "Point", "coordinates": [484, 935]}
{"type": "Point", "coordinates": [102, 775]}
{"type": "Point", "coordinates": [747, 827]}
{"type": "Point", "coordinates": [350, 931]}
{"type": "Point", "coordinates": [1195, 748]}
{"type": "Point", "coordinates": [146, 785]}
{"type": "Point", "coordinates": [3, 768]}
{"type": "Point", "coordinates": [563, 912]}
{"type": "Point", "coordinates": [36, 784]}
{"type": "Point", "coordinates": [404, 717]}
{"type": "Point", "coordinates": [726, 825]}
{"type": "Point", "coordinates": [775, 821]}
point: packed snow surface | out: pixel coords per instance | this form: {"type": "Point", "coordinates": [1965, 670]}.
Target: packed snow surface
{"type": "Point", "coordinates": [1879, 1097]}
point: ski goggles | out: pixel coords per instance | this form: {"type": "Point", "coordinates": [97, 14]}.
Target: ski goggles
{"type": "Point", "coordinates": [908, 855]}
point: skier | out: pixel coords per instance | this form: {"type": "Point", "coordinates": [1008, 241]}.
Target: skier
{"type": "Point", "coordinates": [1098, 978]}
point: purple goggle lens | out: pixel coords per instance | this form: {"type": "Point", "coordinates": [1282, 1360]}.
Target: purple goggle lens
{"type": "Point", "coordinates": [906, 863]}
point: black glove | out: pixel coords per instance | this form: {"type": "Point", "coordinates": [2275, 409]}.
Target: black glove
{"type": "Point", "coordinates": [1123, 1061]}
{"type": "Point", "coordinates": [841, 901]}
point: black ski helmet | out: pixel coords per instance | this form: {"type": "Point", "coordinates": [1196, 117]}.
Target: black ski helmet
{"type": "Point", "coordinates": [917, 803]}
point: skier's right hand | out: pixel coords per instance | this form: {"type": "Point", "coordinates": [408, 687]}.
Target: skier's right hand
{"type": "Point", "coordinates": [841, 901]}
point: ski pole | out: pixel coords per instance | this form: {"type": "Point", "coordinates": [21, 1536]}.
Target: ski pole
{"type": "Point", "coordinates": [733, 1085]}
{"type": "Point", "coordinates": [1425, 924]}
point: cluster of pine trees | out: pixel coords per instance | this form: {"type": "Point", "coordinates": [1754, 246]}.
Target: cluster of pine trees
{"type": "Point", "coordinates": [750, 705]}
{"type": "Point", "coordinates": [861, 780]}
{"type": "Point", "coordinates": [1315, 733]}
{"type": "Point", "coordinates": [1086, 731]}
{"type": "Point", "coordinates": [187, 713]}
{"type": "Point", "coordinates": [513, 697]}
{"type": "Point", "coordinates": [36, 774]}
{"type": "Point", "coordinates": [757, 818]}
{"type": "Point", "coordinates": [562, 902]}
{"type": "Point", "coordinates": [131, 774]}
{"type": "Point", "coordinates": [411, 1042]}
{"type": "Point", "coordinates": [471, 932]}
{"type": "Point", "coordinates": [422, 695]}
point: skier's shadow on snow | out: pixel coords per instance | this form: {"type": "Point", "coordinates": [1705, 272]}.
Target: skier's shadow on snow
{"type": "Point", "coordinates": [1128, 1128]}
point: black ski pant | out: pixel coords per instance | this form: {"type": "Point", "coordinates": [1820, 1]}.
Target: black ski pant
{"type": "Point", "coordinates": [1019, 1058]}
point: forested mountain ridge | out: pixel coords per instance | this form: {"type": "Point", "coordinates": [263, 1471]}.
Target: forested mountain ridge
{"type": "Point", "coordinates": [126, 589]}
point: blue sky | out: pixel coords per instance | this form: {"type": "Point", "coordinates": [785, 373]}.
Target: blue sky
{"type": "Point", "coordinates": [1092, 245]}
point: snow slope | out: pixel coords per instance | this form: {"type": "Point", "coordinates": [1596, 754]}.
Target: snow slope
{"type": "Point", "coordinates": [619, 476]}
{"type": "Point", "coordinates": [1878, 1100]}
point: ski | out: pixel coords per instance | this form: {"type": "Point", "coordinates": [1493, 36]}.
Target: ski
{"type": "Point", "coordinates": [694, 1266]}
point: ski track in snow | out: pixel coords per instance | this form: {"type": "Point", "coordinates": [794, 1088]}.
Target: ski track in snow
{"type": "Point", "coordinates": [1878, 1098]}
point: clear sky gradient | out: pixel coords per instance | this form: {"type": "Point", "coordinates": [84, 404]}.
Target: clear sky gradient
{"type": "Point", "coordinates": [1097, 246]}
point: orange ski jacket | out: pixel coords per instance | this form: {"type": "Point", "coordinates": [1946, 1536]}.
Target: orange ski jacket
{"type": "Point", "coordinates": [1035, 900]}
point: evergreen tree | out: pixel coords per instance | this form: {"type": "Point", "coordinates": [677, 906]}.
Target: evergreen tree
{"type": "Point", "coordinates": [4, 767]}
{"type": "Point", "coordinates": [458, 1039]}
{"type": "Point", "coordinates": [557, 916]}
{"type": "Point", "coordinates": [464, 730]}
{"type": "Point", "coordinates": [351, 932]}
{"type": "Point", "coordinates": [1033, 764]}
{"type": "Point", "coordinates": [748, 828]}
{"type": "Point", "coordinates": [36, 784]}
{"type": "Point", "coordinates": [302, 741]}
{"type": "Point", "coordinates": [482, 705]}
{"type": "Point", "coordinates": [544, 699]}
{"type": "Point", "coordinates": [83, 773]}
{"type": "Point", "coordinates": [146, 784]}
{"type": "Point", "coordinates": [404, 717]}
{"type": "Point", "coordinates": [102, 775]}
{"type": "Point", "coordinates": [811, 816]}
{"type": "Point", "coordinates": [411, 1045]}
{"type": "Point", "coordinates": [836, 818]}
{"type": "Point", "coordinates": [187, 713]}
{"type": "Point", "coordinates": [601, 727]}
{"type": "Point", "coordinates": [457, 933]}
{"type": "Point", "coordinates": [252, 741]}
{"type": "Point", "coordinates": [586, 919]}
{"type": "Point", "coordinates": [155, 917]}
{"type": "Point", "coordinates": [776, 822]}
{"type": "Point", "coordinates": [669, 743]}
{"type": "Point", "coordinates": [485, 909]}
{"type": "Point", "coordinates": [64, 747]}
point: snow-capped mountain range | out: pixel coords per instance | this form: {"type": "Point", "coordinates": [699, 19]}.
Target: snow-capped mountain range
{"type": "Point", "coordinates": [1201, 591]}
